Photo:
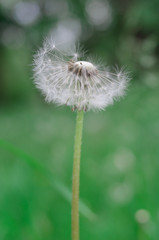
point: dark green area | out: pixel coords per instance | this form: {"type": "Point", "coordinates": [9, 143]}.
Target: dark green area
{"type": "Point", "coordinates": [119, 165]}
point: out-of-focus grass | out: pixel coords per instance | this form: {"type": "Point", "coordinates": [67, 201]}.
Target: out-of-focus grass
{"type": "Point", "coordinates": [46, 175]}
{"type": "Point", "coordinates": [119, 169]}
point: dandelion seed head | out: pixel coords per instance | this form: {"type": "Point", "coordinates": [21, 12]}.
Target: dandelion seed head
{"type": "Point", "coordinates": [69, 78]}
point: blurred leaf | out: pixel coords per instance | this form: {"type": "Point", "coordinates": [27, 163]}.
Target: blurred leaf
{"type": "Point", "coordinates": [54, 183]}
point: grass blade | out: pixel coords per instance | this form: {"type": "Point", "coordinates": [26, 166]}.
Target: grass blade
{"type": "Point", "coordinates": [54, 183]}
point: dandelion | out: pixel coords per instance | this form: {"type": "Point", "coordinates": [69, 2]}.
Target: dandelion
{"type": "Point", "coordinates": [70, 78]}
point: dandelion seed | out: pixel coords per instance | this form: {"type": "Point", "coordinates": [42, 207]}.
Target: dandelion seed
{"type": "Point", "coordinates": [67, 78]}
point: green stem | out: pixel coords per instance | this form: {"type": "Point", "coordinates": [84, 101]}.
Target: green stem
{"type": "Point", "coordinates": [76, 174]}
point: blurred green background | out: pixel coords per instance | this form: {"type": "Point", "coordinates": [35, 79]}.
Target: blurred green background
{"type": "Point", "coordinates": [119, 186]}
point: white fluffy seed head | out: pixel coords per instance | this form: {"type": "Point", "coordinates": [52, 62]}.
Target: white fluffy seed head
{"type": "Point", "coordinates": [64, 78]}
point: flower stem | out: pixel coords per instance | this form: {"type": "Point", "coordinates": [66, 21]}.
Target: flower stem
{"type": "Point", "coordinates": [76, 174]}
